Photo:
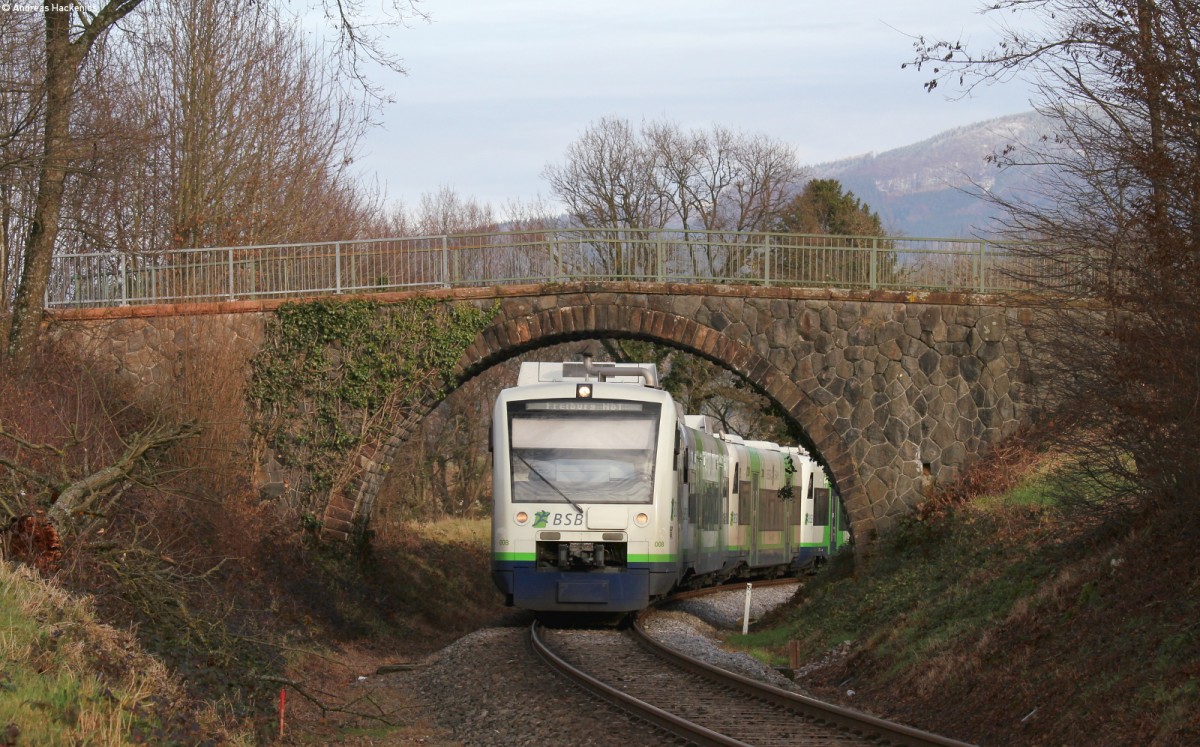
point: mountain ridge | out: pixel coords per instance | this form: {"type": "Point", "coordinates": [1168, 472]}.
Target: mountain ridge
{"type": "Point", "coordinates": [935, 187]}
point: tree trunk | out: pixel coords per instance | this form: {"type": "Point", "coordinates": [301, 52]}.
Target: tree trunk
{"type": "Point", "coordinates": [62, 69]}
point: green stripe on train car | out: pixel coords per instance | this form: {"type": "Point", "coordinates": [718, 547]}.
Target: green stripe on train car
{"type": "Point", "coordinates": [514, 556]}
{"type": "Point", "coordinates": [823, 542]}
{"type": "Point", "coordinates": [664, 558]}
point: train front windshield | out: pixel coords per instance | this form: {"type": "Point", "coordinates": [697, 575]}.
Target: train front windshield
{"type": "Point", "coordinates": [582, 451]}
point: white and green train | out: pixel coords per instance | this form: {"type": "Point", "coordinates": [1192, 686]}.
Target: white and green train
{"type": "Point", "coordinates": [607, 496]}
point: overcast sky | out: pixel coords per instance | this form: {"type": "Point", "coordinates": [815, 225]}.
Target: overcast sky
{"type": "Point", "coordinates": [496, 89]}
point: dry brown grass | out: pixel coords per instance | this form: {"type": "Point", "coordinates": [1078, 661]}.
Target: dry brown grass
{"type": "Point", "coordinates": [1005, 466]}
{"type": "Point", "coordinates": [222, 587]}
{"type": "Point", "coordinates": [71, 679]}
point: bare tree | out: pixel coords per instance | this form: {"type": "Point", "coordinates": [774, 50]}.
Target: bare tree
{"type": "Point", "coordinates": [1121, 234]}
{"type": "Point", "coordinates": [767, 177]}
{"type": "Point", "coordinates": [721, 180]}
{"type": "Point", "coordinates": [446, 212]}
{"type": "Point", "coordinates": [714, 180]}
{"type": "Point", "coordinates": [663, 177]}
{"type": "Point", "coordinates": [252, 136]}
{"type": "Point", "coordinates": [71, 32]}
{"type": "Point", "coordinates": [70, 35]}
{"type": "Point", "coordinates": [20, 113]}
{"type": "Point", "coordinates": [607, 180]}
{"type": "Point", "coordinates": [113, 185]}
{"type": "Point", "coordinates": [680, 160]}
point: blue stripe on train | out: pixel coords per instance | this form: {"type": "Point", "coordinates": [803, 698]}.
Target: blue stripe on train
{"type": "Point", "coordinates": [556, 591]}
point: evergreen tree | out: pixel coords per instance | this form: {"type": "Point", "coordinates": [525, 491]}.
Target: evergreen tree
{"type": "Point", "coordinates": [825, 208]}
{"type": "Point", "coordinates": [857, 258]}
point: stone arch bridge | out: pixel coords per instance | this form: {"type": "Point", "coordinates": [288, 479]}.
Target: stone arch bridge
{"type": "Point", "coordinates": [894, 389]}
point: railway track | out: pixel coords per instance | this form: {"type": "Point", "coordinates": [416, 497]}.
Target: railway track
{"type": "Point", "coordinates": [705, 705]}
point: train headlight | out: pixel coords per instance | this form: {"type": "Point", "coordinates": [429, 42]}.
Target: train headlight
{"type": "Point", "coordinates": [583, 391]}
{"type": "Point", "coordinates": [641, 520]}
{"type": "Point", "coordinates": [522, 517]}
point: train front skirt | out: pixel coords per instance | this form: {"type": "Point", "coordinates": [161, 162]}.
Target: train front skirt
{"type": "Point", "coordinates": [550, 590]}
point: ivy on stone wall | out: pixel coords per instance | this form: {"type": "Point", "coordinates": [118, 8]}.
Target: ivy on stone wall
{"type": "Point", "coordinates": [333, 379]}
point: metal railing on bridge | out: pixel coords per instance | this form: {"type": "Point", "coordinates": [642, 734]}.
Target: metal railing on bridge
{"type": "Point", "coordinates": [508, 258]}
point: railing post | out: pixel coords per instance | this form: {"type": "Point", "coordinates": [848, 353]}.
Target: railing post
{"type": "Point", "coordinates": [767, 260]}
{"type": "Point", "coordinates": [873, 279]}
{"type": "Point", "coordinates": [446, 261]}
{"type": "Point", "coordinates": [337, 267]}
{"type": "Point", "coordinates": [982, 269]}
{"type": "Point", "coordinates": [230, 251]}
{"type": "Point", "coordinates": [660, 268]}
{"type": "Point", "coordinates": [124, 280]}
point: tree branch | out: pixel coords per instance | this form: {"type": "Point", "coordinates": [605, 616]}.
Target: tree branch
{"type": "Point", "coordinates": [325, 707]}
{"type": "Point", "coordinates": [28, 444]}
{"type": "Point", "coordinates": [78, 495]}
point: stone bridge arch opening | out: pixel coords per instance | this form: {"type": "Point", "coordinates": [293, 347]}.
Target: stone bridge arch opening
{"type": "Point", "coordinates": [521, 327]}
{"type": "Point", "coordinates": [892, 389]}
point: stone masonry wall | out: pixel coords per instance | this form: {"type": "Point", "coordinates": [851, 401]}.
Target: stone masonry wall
{"type": "Point", "coordinates": [157, 353]}
{"type": "Point", "coordinates": [894, 390]}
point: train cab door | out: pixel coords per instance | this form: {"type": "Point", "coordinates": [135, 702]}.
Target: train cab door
{"type": "Point", "coordinates": [791, 508]}
{"type": "Point", "coordinates": [756, 507]}
{"type": "Point", "coordinates": [755, 517]}
{"type": "Point", "coordinates": [685, 509]}
{"type": "Point", "coordinates": [840, 521]}
{"type": "Point", "coordinates": [824, 514]}
{"type": "Point", "coordinates": [835, 523]}
{"type": "Point", "coordinates": [724, 507]}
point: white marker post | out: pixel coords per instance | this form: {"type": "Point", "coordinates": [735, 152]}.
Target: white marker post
{"type": "Point", "coordinates": [746, 614]}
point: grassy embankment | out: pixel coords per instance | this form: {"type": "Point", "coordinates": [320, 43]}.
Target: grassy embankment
{"type": "Point", "coordinates": [67, 678]}
{"type": "Point", "coordinates": [1009, 620]}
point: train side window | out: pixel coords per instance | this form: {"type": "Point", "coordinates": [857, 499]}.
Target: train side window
{"type": "Point", "coordinates": [685, 464]}
{"type": "Point", "coordinates": [821, 507]}
{"type": "Point", "coordinates": [737, 468]}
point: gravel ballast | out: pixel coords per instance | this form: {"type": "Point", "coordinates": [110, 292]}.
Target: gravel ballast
{"type": "Point", "coordinates": [489, 688]}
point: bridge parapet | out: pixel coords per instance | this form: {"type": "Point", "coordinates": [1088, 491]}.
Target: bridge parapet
{"type": "Point", "coordinates": [294, 271]}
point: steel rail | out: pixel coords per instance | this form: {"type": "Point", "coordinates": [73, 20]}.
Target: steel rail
{"type": "Point", "coordinates": [854, 721]}
{"type": "Point", "coordinates": [845, 719]}
{"type": "Point", "coordinates": [638, 708]}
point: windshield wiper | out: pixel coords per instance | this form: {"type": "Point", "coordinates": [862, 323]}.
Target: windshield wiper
{"type": "Point", "coordinates": [553, 487]}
